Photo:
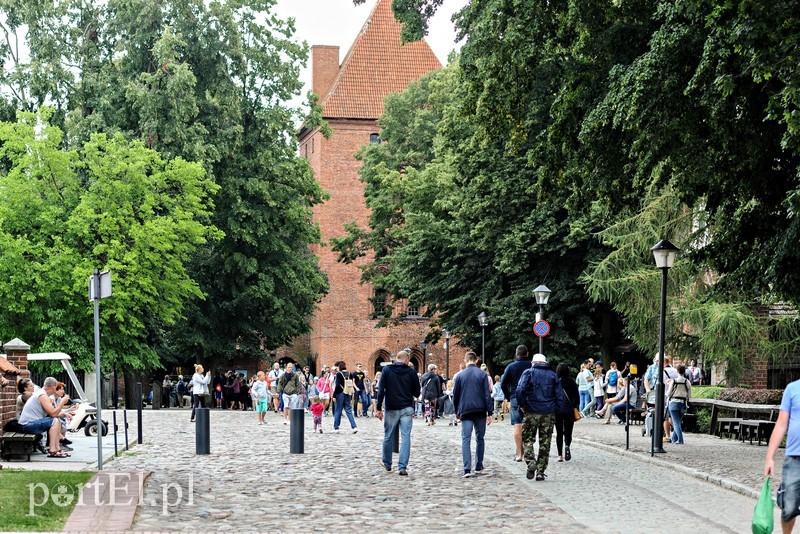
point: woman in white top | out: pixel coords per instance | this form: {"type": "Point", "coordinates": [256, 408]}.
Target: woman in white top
{"type": "Point", "coordinates": [199, 387]}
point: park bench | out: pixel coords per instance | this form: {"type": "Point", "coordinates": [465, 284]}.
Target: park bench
{"type": "Point", "coordinates": [18, 444]}
{"type": "Point", "coordinates": [755, 428]}
{"type": "Point", "coordinates": [729, 426]}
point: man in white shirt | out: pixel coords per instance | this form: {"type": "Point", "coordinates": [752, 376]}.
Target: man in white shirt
{"type": "Point", "coordinates": [40, 415]}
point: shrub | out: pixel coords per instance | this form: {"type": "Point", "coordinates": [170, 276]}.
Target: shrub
{"type": "Point", "coordinates": [706, 392]}
{"type": "Point", "coordinates": [750, 396]}
{"type": "Point", "coordinates": [703, 420]}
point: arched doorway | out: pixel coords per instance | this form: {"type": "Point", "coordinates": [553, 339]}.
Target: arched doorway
{"type": "Point", "coordinates": [416, 360]}
{"type": "Point", "coordinates": [379, 357]}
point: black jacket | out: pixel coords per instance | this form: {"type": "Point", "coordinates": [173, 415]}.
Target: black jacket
{"type": "Point", "coordinates": [512, 375]}
{"type": "Point", "coordinates": [398, 387]}
{"type": "Point", "coordinates": [572, 399]}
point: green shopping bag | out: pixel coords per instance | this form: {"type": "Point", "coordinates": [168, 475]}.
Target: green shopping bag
{"type": "Point", "coordinates": [762, 517]}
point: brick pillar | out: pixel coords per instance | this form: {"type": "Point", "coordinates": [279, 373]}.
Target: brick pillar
{"type": "Point", "coordinates": [755, 373]}
{"type": "Point", "coordinates": [14, 367]}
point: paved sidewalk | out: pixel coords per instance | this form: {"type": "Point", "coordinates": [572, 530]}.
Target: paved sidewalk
{"type": "Point", "coordinates": [251, 482]}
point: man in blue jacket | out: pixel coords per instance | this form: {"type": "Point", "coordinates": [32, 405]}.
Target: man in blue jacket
{"type": "Point", "coordinates": [398, 387]}
{"type": "Point", "coordinates": [508, 384]}
{"type": "Point", "coordinates": [473, 404]}
{"type": "Point", "coordinates": [538, 393]}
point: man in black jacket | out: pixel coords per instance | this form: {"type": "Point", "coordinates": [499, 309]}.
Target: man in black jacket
{"type": "Point", "coordinates": [398, 387]}
{"type": "Point", "coordinates": [473, 404]}
{"type": "Point", "coordinates": [509, 386]}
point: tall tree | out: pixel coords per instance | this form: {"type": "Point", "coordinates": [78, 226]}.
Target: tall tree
{"type": "Point", "coordinates": [112, 204]}
{"type": "Point", "coordinates": [206, 81]}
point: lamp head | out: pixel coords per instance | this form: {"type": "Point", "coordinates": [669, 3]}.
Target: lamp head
{"type": "Point", "coordinates": [483, 319]}
{"type": "Point", "coordinates": [542, 294]}
{"type": "Point", "coordinates": [664, 253]}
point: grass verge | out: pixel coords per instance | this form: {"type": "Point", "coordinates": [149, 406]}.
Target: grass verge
{"type": "Point", "coordinates": [38, 500]}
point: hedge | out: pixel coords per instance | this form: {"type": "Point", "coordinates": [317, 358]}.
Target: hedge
{"type": "Point", "coordinates": [750, 396]}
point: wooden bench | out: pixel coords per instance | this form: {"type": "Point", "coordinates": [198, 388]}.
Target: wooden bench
{"type": "Point", "coordinates": [755, 428]}
{"type": "Point", "coordinates": [19, 444]}
{"type": "Point", "coordinates": [729, 426]}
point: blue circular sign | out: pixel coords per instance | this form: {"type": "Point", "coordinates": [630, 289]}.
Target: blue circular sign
{"type": "Point", "coordinates": [541, 328]}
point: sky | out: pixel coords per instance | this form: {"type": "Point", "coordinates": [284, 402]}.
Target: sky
{"type": "Point", "coordinates": [337, 22]}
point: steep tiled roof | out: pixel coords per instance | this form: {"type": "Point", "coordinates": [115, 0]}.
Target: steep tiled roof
{"type": "Point", "coordinates": [7, 367]}
{"type": "Point", "coordinates": [377, 65]}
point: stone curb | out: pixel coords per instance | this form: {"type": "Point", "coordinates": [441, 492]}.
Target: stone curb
{"type": "Point", "coordinates": [696, 473]}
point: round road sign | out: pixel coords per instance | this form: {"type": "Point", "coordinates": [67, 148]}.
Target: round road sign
{"type": "Point", "coordinates": [541, 328]}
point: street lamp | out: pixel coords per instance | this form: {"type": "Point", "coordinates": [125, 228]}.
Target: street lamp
{"type": "Point", "coordinates": [483, 320]}
{"type": "Point", "coordinates": [664, 253]}
{"type": "Point", "coordinates": [542, 295]}
{"type": "Point", "coordinates": [424, 345]}
{"type": "Point", "coordinates": [447, 352]}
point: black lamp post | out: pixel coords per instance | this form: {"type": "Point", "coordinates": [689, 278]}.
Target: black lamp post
{"type": "Point", "coordinates": [542, 296]}
{"type": "Point", "coordinates": [664, 253]}
{"type": "Point", "coordinates": [483, 320]}
{"type": "Point", "coordinates": [424, 345]}
{"type": "Point", "coordinates": [447, 352]}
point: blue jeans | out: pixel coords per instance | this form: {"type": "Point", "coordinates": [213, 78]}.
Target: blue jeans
{"type": "Point", "coordinates": [619, 410]}
{"type": "Point", "coordinates": [393, 419]}
{"type": "Point", "coordinates": [676, 411]}
{"type": "Point", "coordinates": [362, 397]}
{"type": "Point", "coordinates": [342, 403]}
{"type": "Point", "coordinates": [586, 398]}
{"type": "Point", "coordinates": [467, 425]}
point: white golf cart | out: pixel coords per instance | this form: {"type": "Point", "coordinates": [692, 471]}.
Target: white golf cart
{"type": "Point", "coordinates": [86, 415]}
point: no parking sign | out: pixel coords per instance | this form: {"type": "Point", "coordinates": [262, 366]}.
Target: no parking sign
{"type": "Point", "coordinates": [541, 328]}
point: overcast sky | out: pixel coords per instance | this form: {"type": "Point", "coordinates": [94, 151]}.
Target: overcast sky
{"type": "Point", "coordinates": [337, 22]}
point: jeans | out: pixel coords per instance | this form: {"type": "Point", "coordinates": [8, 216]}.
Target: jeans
{"type": "Point", "coordinates": [619, 410]}
{"type": "Point", "coordinates": [342, 403]}
{"type": "Point", "coordinates": [362, 397]}
{"type": "Point", "coordinates": [467, 425]}
{"type": "Point", "coordinates": [676, 412]}
{"type": "Point", "coordinates": [586, 398]}
{"type": "Point", "coordinates": [392, 420]}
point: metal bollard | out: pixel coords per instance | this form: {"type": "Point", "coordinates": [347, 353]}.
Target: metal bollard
{"type": "Point", "coordinates": [139, 407]}
{"type": "Point", "coordinates": [296, 428]}
{"type": "Point", "coordinates": [396, 439]}
{"type": "Point", "coordinates": [202, 431]}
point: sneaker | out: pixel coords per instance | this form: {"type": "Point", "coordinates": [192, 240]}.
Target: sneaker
{"type": "Point", "coordinates": [530, 474]}
{"type": "Point", "coordinates": [479, 470]}
{"type": "Point", "coordinates": [285, 422]}
{"type": "Point", "coordinates": [65, 441]}
{"type": "Point", "coordinates": [567, 454]}
{"type": "Point", "coordinates": [467, 474]}
{"type": "Point", "coordinates": [355, 431]}
{"type": "Point", "coordinates": [191, 420]}
{"type": "Point", "coordinates": [386, 467]}
{"type": "Point", "coordinates": [320, 431]}
{"type": "Point", "coordinates": [403, 473]}
{"type": "Point", "coordinates": [621, 422]}
{"type": "Point", "coordinates": [335, 430]}
{"type": "Point", "coordinates": [66, 448]}
{"type": "Point", "coordinates": [540, 476]}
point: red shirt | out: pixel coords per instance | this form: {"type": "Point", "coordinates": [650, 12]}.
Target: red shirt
{"type": "Point", "coordinates": [316, 409]}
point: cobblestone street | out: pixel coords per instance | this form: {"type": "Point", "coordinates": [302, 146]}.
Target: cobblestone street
{"type": "Point", "coordinates": [251, 482]}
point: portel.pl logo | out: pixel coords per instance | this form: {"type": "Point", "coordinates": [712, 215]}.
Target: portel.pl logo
{"type": "Point", "coordinates": [110, 489]}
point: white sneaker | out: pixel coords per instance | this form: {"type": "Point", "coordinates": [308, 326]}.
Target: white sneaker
{"type": "Point", "coordinates": [336, 431]}
{"type": "Point", "coordinates": [285, 422]}
{"type": "Point", "coordinates": [355, 431]}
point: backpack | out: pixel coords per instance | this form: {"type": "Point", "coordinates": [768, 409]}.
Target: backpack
{"type": "Point", "coordinates": [430, 389]}
{"type": "Point", "coordinates": [349, 384]}
{"type": "Point", "coordinates": [613, 376]}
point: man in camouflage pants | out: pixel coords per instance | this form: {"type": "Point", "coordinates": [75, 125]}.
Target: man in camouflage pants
{"type": "Point", "coordinates": [538, 394]}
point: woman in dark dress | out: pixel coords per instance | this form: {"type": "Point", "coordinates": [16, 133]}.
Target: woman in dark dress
{"type": "Point", "coordinates": [565, 415]}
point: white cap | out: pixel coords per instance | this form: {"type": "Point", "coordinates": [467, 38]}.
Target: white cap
{"type": "Point", "coordinates": [539, 358]}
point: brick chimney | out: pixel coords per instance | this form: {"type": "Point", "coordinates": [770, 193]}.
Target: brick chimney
{"type": "Point", "coordinates": [324, 68]}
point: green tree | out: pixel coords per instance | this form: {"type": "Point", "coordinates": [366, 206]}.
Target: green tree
{"type": "Point", "coordinates": [113, 204]}
{"type": "Point", "coordinates": [205, 81]}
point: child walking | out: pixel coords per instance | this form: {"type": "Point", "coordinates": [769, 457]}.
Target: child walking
{"type": "Point", "coordinates": [260, 395]}
{"type": "Point", "coordinates": [316, 410]}
{"type": "Point", "coordinates": [499, 397]}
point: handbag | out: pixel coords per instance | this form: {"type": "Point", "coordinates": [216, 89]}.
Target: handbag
{"type": "Point", "coordinates": [763, 521]}
{"type": "Point", "coordinates": [575, 412]}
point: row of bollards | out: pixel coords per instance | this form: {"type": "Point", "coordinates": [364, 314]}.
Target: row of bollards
{"type": "Point", "coordinates": [296, 434]}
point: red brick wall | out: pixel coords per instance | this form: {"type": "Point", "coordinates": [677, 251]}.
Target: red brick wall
{"type": "Point", "coordinates": [342, 327]}
{"type": "Point", "coordinates": [755, 374]}
{"type": "Point", "coordinates": [8, 394]}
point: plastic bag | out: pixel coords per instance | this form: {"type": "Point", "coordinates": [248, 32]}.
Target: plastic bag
{"type": "Point", "coordinates": [762, 517]}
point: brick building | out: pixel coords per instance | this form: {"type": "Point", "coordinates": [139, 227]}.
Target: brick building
{"type": "Point", "coordinates": [352, 95]}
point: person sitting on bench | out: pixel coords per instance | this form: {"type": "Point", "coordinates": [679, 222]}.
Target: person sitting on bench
{"type": "Point", "coordinates": [40, 415]}
{"type": "Point", "coordinates": [25, 387]}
